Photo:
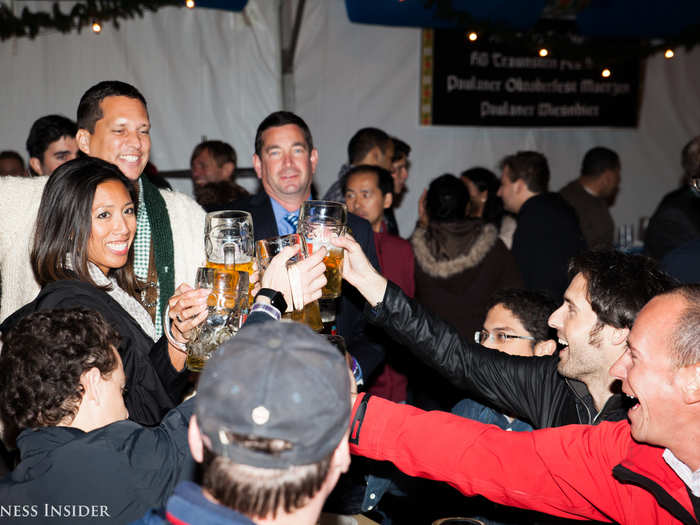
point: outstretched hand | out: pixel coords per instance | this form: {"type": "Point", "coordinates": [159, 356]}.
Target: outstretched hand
{"type": "Point", "coordinates": [358, 271]}
{"type": "Point", "coordinates": [310, 272]}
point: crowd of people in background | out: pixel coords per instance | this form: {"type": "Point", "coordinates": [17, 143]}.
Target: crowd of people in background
{"type": "Point", "coordinates": [506, 348]}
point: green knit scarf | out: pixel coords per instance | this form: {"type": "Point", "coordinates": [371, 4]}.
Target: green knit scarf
{"type": "Point", "coordinates": [161, 240]}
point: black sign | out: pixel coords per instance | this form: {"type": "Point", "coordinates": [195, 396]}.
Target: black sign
{"type": "Point", "coordinates": [468, 84]}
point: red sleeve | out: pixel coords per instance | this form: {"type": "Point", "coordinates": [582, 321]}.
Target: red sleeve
{"type": "Point", "coordinates": [565, 471]}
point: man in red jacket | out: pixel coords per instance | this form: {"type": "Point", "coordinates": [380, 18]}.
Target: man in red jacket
{"type": "Point", "coordinates": [646, 470]}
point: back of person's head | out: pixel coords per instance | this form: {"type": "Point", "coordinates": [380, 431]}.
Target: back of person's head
{"type": "Point", "coordinates": [486, 180]}
{"type": "Point", "coordinates": [530, 307]}
{"type": "Point", "coordinates": [220, 151]}
{"type": "Point", "coordinates": [384, 181]}
{"type": "Point", "coordinates": [364, 141]}
{"type": "Point", "coordinates": [47, 130]}
{"type": "Point", "coordinates": [447, 199]}
{"type": "Point", "coordinates": [64, 223]}
{"type": "Point", "coordinates": [619, 284]}
{"type": "Point", "coordinates": [401, 149]}
{"type": "Point", "coordinates": [273, 406]}
{"type": "Point", "coordinates": [531, 167]}
{"type": "Point", "coordinates": [690, 159]}
{"type": "Point", "coordinates": [282, 118]}
{"type": "Point", "coordinates": [11, 163]}
{"type": "Point", "coordinates": [598, 160]}
{"type": "Point", "coordinates": [42, 360]}
{"type": "Point", "coordinates": [685, 344]}
{"type": "Point", "coordinates": [89, 110]}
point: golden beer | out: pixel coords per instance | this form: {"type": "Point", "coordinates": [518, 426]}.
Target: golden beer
{"type": "Point", "coordinates": [239, 267]}
{"type": "Point", "coordinates": [310, 316]}
{"type": "Point", "coordinates": [334, 273]}
{"type": "Point", "coordinates": [195, 363]}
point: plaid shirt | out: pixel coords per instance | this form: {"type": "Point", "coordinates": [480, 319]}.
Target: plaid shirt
{"type": "Point", "coordinates": [142, 248]}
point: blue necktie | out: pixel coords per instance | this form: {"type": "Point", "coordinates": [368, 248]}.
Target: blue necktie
{"type": "Point", "coordinates": [293, 220]}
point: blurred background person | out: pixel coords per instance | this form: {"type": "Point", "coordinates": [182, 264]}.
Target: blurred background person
{"type": "Point", "coordinates": [486, 204]}
{"type": "Point", "coordinates": [593, 193]}
{"type": "Point", "coordinates": [213, 165]}
{"type": "Point", "coordinates": [400, 166]}
{"type": "Point", "coordinates": [368, 146]}
{"type": "Point", "coordinates": [676, 221]}
{"type": "Point", "coordinates": [12, 164]}
{"type": "Point", "coordinates": [51, 142]}
{"type": "Point", "coordinates": [369, 192]}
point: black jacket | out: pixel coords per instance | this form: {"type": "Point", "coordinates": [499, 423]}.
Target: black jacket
{"type": "Point", "coordinates": [153, 384]}
{"type": "Point", "coordinates": [675, 222]}
{"type": "Point", "coordinates": [528, 388]}
{"type": "Point", "coordinates": [364, 346]}
{"type": "Point", "coordinates": [116, 473]}
{"type": "Point", "coordinates": [546, 237]}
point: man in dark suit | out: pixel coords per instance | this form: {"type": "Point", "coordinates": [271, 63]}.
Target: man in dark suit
{"type": "Point", "coordinates": [548, 233]}
{"type": "Point", "coordinates": [285, 161]}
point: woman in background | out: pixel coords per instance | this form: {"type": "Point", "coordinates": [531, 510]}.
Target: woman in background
{"type": "Point", "coordinates": [484, 202]}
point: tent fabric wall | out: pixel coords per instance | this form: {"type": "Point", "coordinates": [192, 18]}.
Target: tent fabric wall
{"type": "Point", "coordinates": [349, 76]}
{"type": "Point", "coordinates": [217, 73]}
{"type": "Point", "coordinates": [203, 72]}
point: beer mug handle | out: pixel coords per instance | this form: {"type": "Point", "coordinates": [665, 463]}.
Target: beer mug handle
{"type": "Point", "coordinates": [168, 331]}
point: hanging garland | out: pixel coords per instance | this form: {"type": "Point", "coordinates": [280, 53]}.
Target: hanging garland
{"type": "Point", "coordinates": [29, 23]}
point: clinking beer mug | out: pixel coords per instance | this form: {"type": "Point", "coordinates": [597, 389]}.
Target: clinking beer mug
{"type": "Point", "coordinates": [226, 229]}
{"type": "Point", "coordinates": [266, 250]}
{"type": "Point", "coordinates": [319, 222]}
{"type": "Point", "coordinates": [227, 305]}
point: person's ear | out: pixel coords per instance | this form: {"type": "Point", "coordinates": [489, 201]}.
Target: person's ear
{"type": "Point", "coordinates": [257, 165]}
{"type": "Point", "coordinates": [91, 381]}
{"type": "Point", "coordinates": [690, 380]}
{"type": "Point", "coordinates": [619, 336]}
{"type": "Point", "coordinates": [35, 164]}
{"type": "Point", "coordinates": [545, 348]}
{"type": "Point", "coordinates": [388, 200]}
{"type": "Point", "coordinates": [194, 438]}
{"type": "Point", "coordinates": [313, 158]}
{"type": "Point", "coordinates": [228, 169]}
{"type": "Point", "coordinates": [83, 139]}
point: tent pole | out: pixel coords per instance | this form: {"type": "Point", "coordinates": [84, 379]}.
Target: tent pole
{"type": "Point", "coordinates": [289, 36]}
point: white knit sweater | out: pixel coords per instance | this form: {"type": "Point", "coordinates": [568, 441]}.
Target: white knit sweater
{"type": "Point", "coordinates": [19, 205]}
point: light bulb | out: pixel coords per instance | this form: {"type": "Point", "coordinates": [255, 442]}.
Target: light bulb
{"type": "Point", "coordinates": [544, 52]}
{"type": "Point", "coordinates": [669, 53]}
{"type": "Point", "coordinates": [605, 73]}
{"type": "Point", "coordinates": [472, 36]}
{"type": "Point", "coordinates": [96, 27]}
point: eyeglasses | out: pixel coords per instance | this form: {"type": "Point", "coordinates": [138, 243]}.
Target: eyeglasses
{"type": "Point", "coordinates": [481, 336]}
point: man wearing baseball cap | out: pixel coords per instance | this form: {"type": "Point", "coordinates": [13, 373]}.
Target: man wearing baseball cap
{"type": "Point", "coordinates": [270, 430]}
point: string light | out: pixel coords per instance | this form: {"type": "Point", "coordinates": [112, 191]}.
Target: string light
{"type": "Point", "coordinates": [669, 53]}
{"type": "Point", "coordinates": [605, 73]}
{"type": "Point", "coordinates": [472, 36]}
{"type": "Point", "coordinates": [189, 4]}
{"type": "Point", "coordinates": [544, 52]}
{"type": "Point", "coordinates": [96, 26]}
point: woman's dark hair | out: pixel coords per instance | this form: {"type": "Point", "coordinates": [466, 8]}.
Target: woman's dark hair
{"type": "Point", "coordinates": [64, 223]}
{"type": "Point", "coordinates": [447, 199]}
{"type": "Point", "coordinates": [486, 180]}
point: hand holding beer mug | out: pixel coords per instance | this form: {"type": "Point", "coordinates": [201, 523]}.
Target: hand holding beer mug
{"type": "Point", "coordinates": [266, 250]}
{"type": "Point", "coordinates": [319, 222]}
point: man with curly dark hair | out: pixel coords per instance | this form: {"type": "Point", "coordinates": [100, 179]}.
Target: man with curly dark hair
{"type": "Point", "coordinates": [61, 387]}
